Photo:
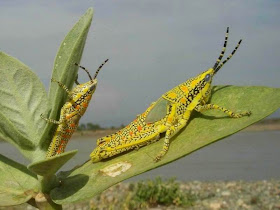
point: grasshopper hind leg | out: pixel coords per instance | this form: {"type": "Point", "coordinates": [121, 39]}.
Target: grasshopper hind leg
{"type": "Point", "coordinates": [230, 113]}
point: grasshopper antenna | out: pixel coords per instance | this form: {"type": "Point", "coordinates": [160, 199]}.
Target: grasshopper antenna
{"type": "Point", "coordinates": [223, 51]}
{"type": "Point", "coordinates": [229, 57]}
{"type": "Point", "coordinates": [85, 70]}
{"type": "Point", "coordinates": [97, 71]}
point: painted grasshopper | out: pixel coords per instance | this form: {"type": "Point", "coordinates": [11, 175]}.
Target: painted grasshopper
{"type": "Point", "coordinates": [71, 112]}
{"type": "Point", "coordinates": [169, 114]}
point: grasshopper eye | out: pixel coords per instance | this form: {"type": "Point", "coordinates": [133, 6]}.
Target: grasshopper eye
{"type": "Point", "coordinates": [207, 77]}
{"type": "Point", "coordinates": [92, 88]}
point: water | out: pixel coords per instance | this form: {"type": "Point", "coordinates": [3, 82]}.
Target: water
{"type": "Point", "coordinates": [245, 155]}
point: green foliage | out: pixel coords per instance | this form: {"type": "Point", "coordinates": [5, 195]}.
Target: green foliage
{"type": "Point", "coordinates": [17, 184]}
{"type": "Point", "coordinates": [51, 165]}
{"type": "Point", "coordinates": [23, 99]}
{"type": "Point", "coordinates": [156, 192]}
{"type": "Point", "coordinates": [91, 126]}
{"type": "Point", "coordinates": [82, 127]}
{"type": "Point", "coordinates": [23, 96]}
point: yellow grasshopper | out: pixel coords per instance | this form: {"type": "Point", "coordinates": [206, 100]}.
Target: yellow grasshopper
{"type": "Point", "coordinates": [169, 114]}
{"type": "Point", "coordinates": [71, 112]}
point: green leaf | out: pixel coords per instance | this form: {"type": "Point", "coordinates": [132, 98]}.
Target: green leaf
{"type": "Point", "coordinates": [17, 184]}
{"type": "Point", "coordinates": [65, 70]}
{"type": "Point", "coordinates": [203, 129]}
{"type": "Point", "coordinates": [23, 99]}
{"type": "Point", "coordinates": [51, 165]}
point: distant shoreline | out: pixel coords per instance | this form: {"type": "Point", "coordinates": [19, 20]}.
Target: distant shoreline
{"type": "Point", "coordinates": [96, 133]}
{"type": "Point", "coordinates": [264, 125]}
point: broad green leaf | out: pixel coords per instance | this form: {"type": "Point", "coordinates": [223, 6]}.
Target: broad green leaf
{"type": "Point", "coordinates": [65, 70]}
{"type": "Point", "coordinates": [51, 165]}
{"type": "Point", "coordinates": [203, 129]}
{"type": "Point", "coordinates": [17, 184]}
{"type": "Point", "coordinates": [23, 99]}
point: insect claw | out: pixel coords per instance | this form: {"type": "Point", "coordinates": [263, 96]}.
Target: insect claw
{"type": "Point", "coordinates": [137, 148]}
{"type": "Point", "coordinates": [158, 158]}
{"type": "Point", "coordinates": [248, 113]}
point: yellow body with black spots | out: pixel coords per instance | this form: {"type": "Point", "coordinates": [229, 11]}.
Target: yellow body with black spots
{"type": "Point", "coordinates": [71, 112]}
{"type": "Point", "coordinates": [169, 114]}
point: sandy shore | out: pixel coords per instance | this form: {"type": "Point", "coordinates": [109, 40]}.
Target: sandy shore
{"type": "Point", "coordinates": [203, 195]}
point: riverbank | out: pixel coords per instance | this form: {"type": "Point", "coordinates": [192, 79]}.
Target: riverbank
{"type": "Point", "coordinates": [196, 195]}
{"type": "Point", "coordinates": [190, 195]}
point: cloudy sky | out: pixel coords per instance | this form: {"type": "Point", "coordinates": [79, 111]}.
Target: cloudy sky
{"type": "Point", "coordinates": [153, 45]}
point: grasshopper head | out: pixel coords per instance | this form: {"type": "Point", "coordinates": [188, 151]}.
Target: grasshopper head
{"type": "Point", "coordinates": [204, 80]}
{"type": "Point", "coordinates": [85, 90]}
{"type": "Point", "coordinates": [94, 156]}
{"type": "Point", "coordinates": [201, 85]}
{"type": "Point", "coordinates": [82, 93]}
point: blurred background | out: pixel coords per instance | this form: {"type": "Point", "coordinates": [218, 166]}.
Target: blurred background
{"type": "Point", "coordinates": [154, 46]}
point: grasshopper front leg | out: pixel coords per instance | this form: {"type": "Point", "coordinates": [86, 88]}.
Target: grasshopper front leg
{"type": "Point", "coordinates": [201, 108]}
{"type": "Point", "coordinates": [62, 86]}
{"type": "Point", "coordinates": [50, 120]}
{"type": "Point", "coordinates": [68, 93]}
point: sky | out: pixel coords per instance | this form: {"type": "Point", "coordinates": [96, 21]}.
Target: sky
{"type": "Point", "coordinates": [153, 45]}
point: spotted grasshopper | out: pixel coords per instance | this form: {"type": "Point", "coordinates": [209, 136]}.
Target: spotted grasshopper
{"type": "Point", "coordinates": [169, 114]}
{"type": "Point", "coordinates": [71, 112]}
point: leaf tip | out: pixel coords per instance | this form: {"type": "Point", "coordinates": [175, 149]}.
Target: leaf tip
{"type": "Point", "coordinates": [90, 11]}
